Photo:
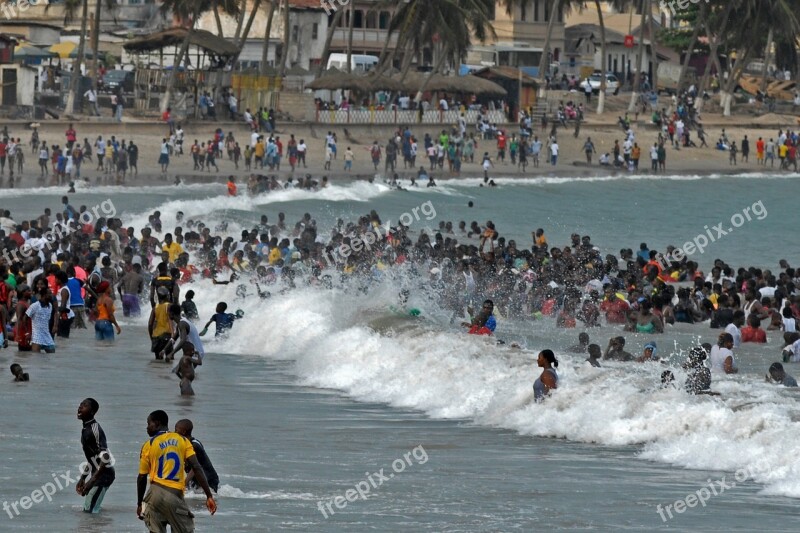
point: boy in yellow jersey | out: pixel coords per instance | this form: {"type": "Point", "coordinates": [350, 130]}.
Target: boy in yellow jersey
{"type": "Point", "coordinates": [163, 459]}
{"type": "Point", "coordinates": [159, 326]}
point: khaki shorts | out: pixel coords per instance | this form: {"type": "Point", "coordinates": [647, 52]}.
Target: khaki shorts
{"type": "Point", "coordinates": [166, 507]}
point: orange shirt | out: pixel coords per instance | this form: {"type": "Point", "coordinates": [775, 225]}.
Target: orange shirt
{"type": "Point", "coordinates": [759, 145]}
{"type": "Point", "coordinates": [231, 188]}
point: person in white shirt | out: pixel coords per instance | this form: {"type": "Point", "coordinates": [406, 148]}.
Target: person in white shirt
{"type": "Point", "coordinates": [627, 147]}
{"type": "Point", "coordinates": [443, 104]}
{"type": "Point", "coordinates": [301, 153]}
{"type": "Point", "coordinates": [254, 139]}
{"type": "Point", "coordinates": [248, 118]}
{"type": "Point", "coordinates": [722, 356]}
{"type": "Point", "coordinates": [791, 350]}
{"type": "Point", "coordinates": [92, 97]}
{"type": "Point", "coordinates": [789, 325]}
{"type": "Point", "coordinates": [654, 157]}
{"type": "Point", "coordinates": [233, 105]}
{"type": "Point", "coordinates": [554, 153]}
{"type": "Point", "coordinates": [734, 328]}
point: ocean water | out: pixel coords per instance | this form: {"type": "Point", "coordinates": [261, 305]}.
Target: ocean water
{"type": "Point", "coordinates": [318, 390]}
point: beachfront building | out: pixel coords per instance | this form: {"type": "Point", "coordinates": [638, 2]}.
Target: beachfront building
{"type": "Point", "coordinates": [583, 53]}
{"type": "Point", "coordinates": [308, 25]}
{"type": "Point", "coordinates": [370, 28]}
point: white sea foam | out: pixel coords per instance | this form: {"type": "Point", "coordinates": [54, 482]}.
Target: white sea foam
{"type": "Point", "coordinates": [432, 367]}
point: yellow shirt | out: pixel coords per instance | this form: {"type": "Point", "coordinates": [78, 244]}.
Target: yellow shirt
{"type": "Point", "coordinates": [109, 151]}
{"type": "Point", "coordinates": [783, 150]}
{"type": "Point", "coordinates": [161, 323]}
{"type": "Point", "coordinates": [174, 250]}
{"type": "Point", "coordinates": [260, 149]}
{"type": "Point", "coordinates": [163, 459]}
{"type": "Point", "coordinates": [274, 255]}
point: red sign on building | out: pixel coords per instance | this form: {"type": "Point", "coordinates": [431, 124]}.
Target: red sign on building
{"type": "Point", "coordinates": [629, 41]}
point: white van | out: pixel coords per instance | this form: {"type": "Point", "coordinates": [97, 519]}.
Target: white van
{"type": "Point", "coordinates": [358, 62]}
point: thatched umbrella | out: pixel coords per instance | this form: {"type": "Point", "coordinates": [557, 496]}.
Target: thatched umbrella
{"type": "Point", "coordinates": [384, 83]}
{"type": "Point", "coordinates": [334, 80]}
{"type": "Point", "coordinates": [456, 84]}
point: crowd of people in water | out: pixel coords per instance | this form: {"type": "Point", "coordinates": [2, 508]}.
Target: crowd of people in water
{"type": "Point", "coordinates": [63, 285]}
{"type": "Point", "coordinates": [87, 273]}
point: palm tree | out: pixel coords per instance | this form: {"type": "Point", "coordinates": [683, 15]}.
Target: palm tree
{"type": "Point", "coordinates": [184, 10]}
{"type": "Point", "coordinates": [544, 61]}
{"type": "Point", "coordinates": [70, 10]}
{"type": "Point", "coordinates": [351, 14]}
{"type": "Point", "coordinates": [244, 34]}
{"type": "Point", "coordinates": [326, 52]}
{"type": "Point", "coordinates": [267, 31]}
{"type": "Point", "coordinates": [601, 96]}
{"type": "Point", "coordinates": [286, 38]}
{"type": "Point", "coordinates": [754, 18]}
{"type": "Point", "coordinates": [110, 5]}
{"type": "Point", "coordinates": [698, 25]}
{"type": "Point", "coordinates": [453, 22]}
{"type": "Point", "coordinates": [639, 55]}
{"type": "Point", "coordinates": [716, 24]}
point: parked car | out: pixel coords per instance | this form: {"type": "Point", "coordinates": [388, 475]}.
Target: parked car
{"type": "Point", "coordinates": [612, 83]}
{"type": "Point", "coordinates": [114, 79]}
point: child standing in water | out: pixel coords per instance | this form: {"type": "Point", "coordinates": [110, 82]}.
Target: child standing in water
{"type": "Point", "coordinates": [185, 370]}
{"type": "Point", "coordinates": [223, 320]}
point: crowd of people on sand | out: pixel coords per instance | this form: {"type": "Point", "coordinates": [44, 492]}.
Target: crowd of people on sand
{"type": "Point", "coordinates": [111, 159]}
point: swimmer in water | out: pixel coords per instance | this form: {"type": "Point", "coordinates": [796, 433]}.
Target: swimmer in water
{"type": "Point", "coordinates": [698, 380]}
{"type": "Point", "coordinates": [188, 306]}
{"type": "Point", "coordinates": [778, 375]}
{"type": "Point", "coordinates": [583, 344]}
{"type": "Point", "coordinates": [649, 353]}
{"type": "Point", "coordinates": [594, 355]}
{"type": "Point", "coordinates": [616, 350]}
{"type": "Point", "coordinates": [222, 320]}
{"type": "Point", "coordinates": [484, 319]}
{"type": "Point", "coordinates": [548, 380]}
{"type": "Point", "coordinates": [19, 374]}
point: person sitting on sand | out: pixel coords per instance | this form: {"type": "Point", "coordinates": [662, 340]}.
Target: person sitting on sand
{"type": "Point", "coordinates": [776, 374]}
